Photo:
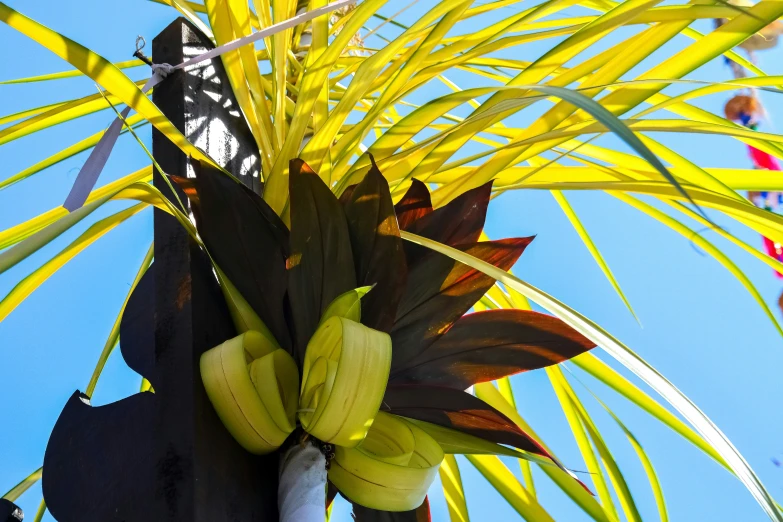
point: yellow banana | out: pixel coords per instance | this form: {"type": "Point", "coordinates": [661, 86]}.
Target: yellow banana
{"type": "Point", "coordinates": [346, 368]}
{"type": "Point", "coordinates": [346, 305]}
{"type": "Point", "coordinates": [391, 469]}
{"type": "Point", "coordinates": [257, 403]}
{"type": "Point", "coordinates": [242, 313]}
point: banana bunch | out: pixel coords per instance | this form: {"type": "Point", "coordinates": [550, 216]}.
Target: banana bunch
{"type": "Point", "coordinates": [314, 349]}
{"type": "Point", "coordinates": [381, 461]}
{"type": "Point", "coordinates": [393, 466]}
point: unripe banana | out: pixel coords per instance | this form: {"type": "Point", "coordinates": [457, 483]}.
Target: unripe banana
{"type": "Point", "coordinates": [346, 305]}
{"type": "Point", "coordinates": [242, 314]}
{"type": "Point", "coordinates": [346, 368]}
{"type": "Point", "coordinates": [392, 469]}
{"type": "Point", "coordinates": [256, 403]}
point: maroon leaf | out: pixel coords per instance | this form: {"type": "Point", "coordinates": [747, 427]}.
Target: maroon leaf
{"type": "Point", "coordinates": [458, 223]}
{"type": "Point", "coordinates": [377, 249]}
{"type": "Point", "coordinates": [414, 205]}
{"type": "Point", "coordinates": [331, 493]}
{"type": "Point", "coordinates": [247, 240]}
{"type": "Point", "coordinates": [188, 186]}
{"type": "Point", "coordinates": [321, 263]}
{"type": "Point", "coordinates": [345, 197]}
{"type": "Point", "coordinates": [459, 411]}
{"type": "Point", "coordinates": [420, 514]}
{"type": "Point", "coordinates": [440, 291]}
{"type": "Point", "coordinates": [488, 345]}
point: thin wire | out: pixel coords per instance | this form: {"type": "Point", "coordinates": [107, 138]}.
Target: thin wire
{"type": "Point", "coordinates": [389, 19]}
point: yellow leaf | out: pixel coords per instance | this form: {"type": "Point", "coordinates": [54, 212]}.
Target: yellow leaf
{"type": "Point", "coordinates": [629, 359]}
{"type": "Point", "coordinates": [509, 487]}
{"type": "Point", "coordinates": [101, 71]}
{"type": "Point", "coordinates": [451, 480]}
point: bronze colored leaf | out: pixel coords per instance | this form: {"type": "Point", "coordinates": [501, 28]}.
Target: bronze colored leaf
{"type": "Point", "coordinates": [345, 197]}
{"type": "Point", "coordinates": [420, 514]}
{"type": "Point", "coordinates": [414, 205]}
{"type": "Point", "coordinates": [331, 493]}
{"type": "Point", "coordinates": [459, 411]}
{"type": "Point", "coordinates": [247, 240]}
{"type": "Point", "coordinates": [488, 345]}
{"type": "Point", "coordinates": [320, 266]}
{"type": "Point", "coordinates": [377, 249]}
{"type": "Point", "coordinates": [458, 223]}
{"type": "Point", "coordinates": [440, 291]}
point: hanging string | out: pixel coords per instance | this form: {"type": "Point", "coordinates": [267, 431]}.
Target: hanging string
{"type": "Point", "coordinates": [92, 168]}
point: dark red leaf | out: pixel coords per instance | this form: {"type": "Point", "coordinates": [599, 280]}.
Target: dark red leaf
{"type": "Point", "coordinates": [414, 205]}
{"type": "Point", "coordinates": [188, 186]}
{"type": "Point", "coordinates": [459, 411]}
{"type": "Point", "coordinates": [321, 263]}
{"type": "Point", "coordinates": [420, 514]}
{"type": "Point", "coordinates": [247, 240]}
{"type": "Point", "coordinates": [440, 291]}
{"type": "Point", "coordinates": [331, 493]}
{"type": "Point", "coordinates": [488, 345]}
{"type": "Point", "coordinates": [377, 249]}
{"type": "Point", "coordinates": [458, 223]}
{"type": "Point", "coordinates": [345, 197]}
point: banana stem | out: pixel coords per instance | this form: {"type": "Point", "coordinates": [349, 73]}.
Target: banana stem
{"type": "Point", "coordinates": [301, 494]}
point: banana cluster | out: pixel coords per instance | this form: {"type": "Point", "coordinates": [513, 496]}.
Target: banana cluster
{"type": "Point", "coordinates": [381, 461]}
{"type": "Point", "coordinates": [391, 469]}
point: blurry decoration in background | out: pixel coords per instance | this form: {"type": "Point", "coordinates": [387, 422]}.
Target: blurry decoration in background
{"type": "Point", "coordinates": [746, 109]}
{"type": "Point", "coordinates": [766, 38]}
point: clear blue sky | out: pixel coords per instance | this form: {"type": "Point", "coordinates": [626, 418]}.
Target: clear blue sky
{"type": "Point", "coordinates": [701, 328]}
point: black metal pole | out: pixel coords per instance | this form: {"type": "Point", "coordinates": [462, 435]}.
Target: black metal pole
{"type": "Point", "coordinates": [201, 473]}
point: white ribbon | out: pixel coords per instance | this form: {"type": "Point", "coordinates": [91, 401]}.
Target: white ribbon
{"type": "Point", "coordinates": [301, 492]}
{"type": "Point", "coordinates": [92, 168]}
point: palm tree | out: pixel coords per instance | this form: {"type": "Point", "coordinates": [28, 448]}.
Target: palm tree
{"type": "Point", "coordinates": [352, 98]}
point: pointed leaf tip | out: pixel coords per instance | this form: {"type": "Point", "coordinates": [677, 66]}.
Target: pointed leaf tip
{"type": "Point", "coordinates": [378, 254]}
{"type": "Point", "coordinates": [485, 346]}
{"type": "Point", "coordinates": [457, 410]}
{"type": "Point", "coordinates": [440, 291]}
{"type": "Point", "coordinates": [414, 205]}
{"type": "Point", "coordinates": [321, 265]}
{"type": "Point", "coordinates": [459, 222]}
{"type": "Point", "coordinates": [247, 241]}
{"type": "Point", "coordinates": [298, 166]}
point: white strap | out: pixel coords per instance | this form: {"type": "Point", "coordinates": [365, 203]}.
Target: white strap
{"type": "Point", "coordinates": [267, 31]}
{"type": "Point", "coordinates": [301, 492]}
{"type": "Point", "coordinates": [92, 168]}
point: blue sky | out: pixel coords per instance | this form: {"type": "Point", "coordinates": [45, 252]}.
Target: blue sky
{"type": "Point", "coordinates": [700, 327]}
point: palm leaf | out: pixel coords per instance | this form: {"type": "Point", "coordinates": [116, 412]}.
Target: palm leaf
{"type": "Point", "coordinates": [353, 89]}
{"type": "Point", "coordinates": [633, 362]}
